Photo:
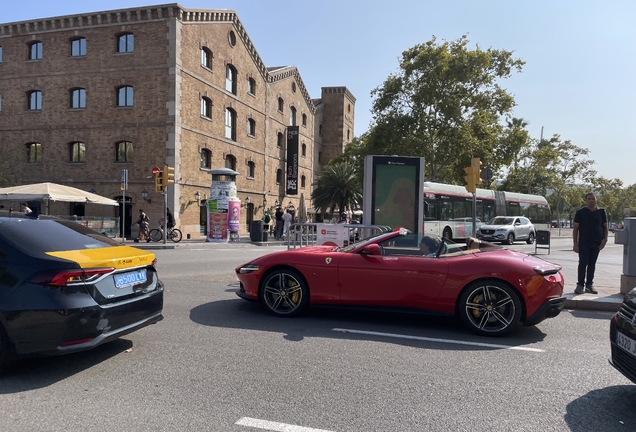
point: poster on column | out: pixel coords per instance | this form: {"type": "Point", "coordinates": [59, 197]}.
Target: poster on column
{"type": "Point", "coordinates": [217, 222]}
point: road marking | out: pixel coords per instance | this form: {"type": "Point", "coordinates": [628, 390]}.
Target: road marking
{"type": "Point", "coordinates": [275, 426]}
{"type": "Point", "coordinates": [449, 341]}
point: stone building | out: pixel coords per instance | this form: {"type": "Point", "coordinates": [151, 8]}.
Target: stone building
{"type": "Point", "coordinates": [83, 97]}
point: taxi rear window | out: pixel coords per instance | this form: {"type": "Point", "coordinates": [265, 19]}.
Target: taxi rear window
{"type": "Point", "coordinates": [38, 236]}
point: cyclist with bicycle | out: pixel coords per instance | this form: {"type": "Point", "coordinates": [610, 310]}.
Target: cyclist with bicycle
{"type": "Point", "coordinates": [170, 221]}
{"type": "Point", "coordinates": [174, 234]}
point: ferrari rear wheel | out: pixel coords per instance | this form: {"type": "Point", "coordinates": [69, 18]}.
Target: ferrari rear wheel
{"type": "Point", "coordinates": [285, 292]}
{"type": "Point", "coordinates": [490, 308]}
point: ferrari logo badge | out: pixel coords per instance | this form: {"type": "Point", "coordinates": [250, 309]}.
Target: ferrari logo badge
{"type": "Point", "coordinates": [328, 260]}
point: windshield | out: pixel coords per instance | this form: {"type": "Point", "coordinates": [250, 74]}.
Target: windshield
{"type": "Point", "coordinates": [501, 221]}
{"type": "Point", "coordinates": [353, 246]}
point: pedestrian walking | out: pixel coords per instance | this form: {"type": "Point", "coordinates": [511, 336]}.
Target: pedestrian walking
{"type": "Point", "coordinates": [287, 218]}
{"type": "Point", "coordinates": [278, 217]}
{"type": "Point", "coordinates": [590, 237]}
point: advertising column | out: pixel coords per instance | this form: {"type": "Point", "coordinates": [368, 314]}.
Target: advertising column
{"type": "Point", "coordinates": [222, 193]}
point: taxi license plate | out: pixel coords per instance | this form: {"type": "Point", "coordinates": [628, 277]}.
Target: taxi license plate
{"type": "Point", "coordinates": [130, 278]}
{"type": "Point", "coordinates": [626, 343]}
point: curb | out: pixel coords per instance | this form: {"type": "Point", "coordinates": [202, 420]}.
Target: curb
{"type": "Point", "coordinates": [610, 303]}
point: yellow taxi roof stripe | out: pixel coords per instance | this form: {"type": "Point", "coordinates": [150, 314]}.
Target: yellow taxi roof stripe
{"type": "Point", "coordinates": [115, 256]}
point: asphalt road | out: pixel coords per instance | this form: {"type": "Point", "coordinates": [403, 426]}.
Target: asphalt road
{"type": "Point", "coordinates": [219, 363]}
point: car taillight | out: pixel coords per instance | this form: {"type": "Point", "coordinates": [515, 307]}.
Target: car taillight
{"type": "Point", "coordinates": [547, 269]}
{"type": "Point", "coordinates": [70, 277]}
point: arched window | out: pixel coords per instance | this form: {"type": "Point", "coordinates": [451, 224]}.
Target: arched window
{"type": "Point", "coordinates": [34, 152]}
{"type": "Point", "coordinates": [230, 162]}
{"type": "Point", "coordinates": [292, 116]}
{"type": "Point", "coordinates": [77, 152]}
{"type": "Point", "coordinates": [78, 47]}
{"type": "Point", "coordinates": [206, 158]}
{"type": "Point", "coordinates": [206, 107]}
{"type": "Point", "coordinates": [303, 150]}
{"type": "Point", "coordinates": [206, 58]}
{"type": "Point", "coordinates": [35, 51]}
{"type": "Point", "coordinates": [126, 43]}
{"type": "Point", "coordinates": [305, 120]}
{"type": "Point", "coordinates": [230, 79]}
{"type": "Point", "coordinates": [251, 127]}
{"type": "Point", "coordinates": [302, 181]}
{"type": "Point", "coordinates": [34, 100]}
{"type": "Point", "coordinates": [251, 86]}
{"type": "Point", "coordinates": [348, 134]}
{"type": "Point", "coordinates": [230, 124]}
{"type": "Point", "coordinates": [279, 176]}
{"type": "Point", "coordinates": [280, 140]}
{"type": "Point", "coordinates": [125, 96]}
{"type": "Point", "coordinates": [78, 98]}
{"type": "Point", "coordinates": [281, 104]}
{"type": "Point", "coordinates": [251, 169]}
{"type": "Point", "coordinates": [124, 151]}
{"type": "Point", "coordinates": [320, 130]}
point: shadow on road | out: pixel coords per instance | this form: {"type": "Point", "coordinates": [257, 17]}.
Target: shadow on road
{"type": "Point", "coordinates": [30, 374]}
{"type": "Point", "coordinates": [319, 322]}
{"type": "Point", "coordinates": [603, 410]}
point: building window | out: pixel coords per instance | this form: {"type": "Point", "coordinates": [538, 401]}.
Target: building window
{"type": "Point", "coordinates": [320, 130]}
{"type": "Point", "coordinates": [35, 51]}
{"type": "Point", "coordinates": [279, 142]}
{"type": "Point", "coordinates": [206, 108]}
{"type": "Point", "coordinates": [0, 54]}
{"type": "Point", "coordinates": [206, 58]}
{"type": "Point", "coordinates": [349, 108]}
{"type": "Point", "coordinates": [302, 182]}
{"type": "Point", "coordinates": [78, 151]}
{"type": "Point", "coordinates": [294, 87]}
{"type": "Point", "coordinates": [125, 96]}
{"type": "Point", "coordinates": [303, 150]}
{"type": "Point", "coordinates": [231, 38]}
{"type": "Point", "coordinates": [34, 152]}
{"type": "Point", "coordinates": [230, 79]}
{"type": "Point", "coordinates": [78, 98]}
{"type": "Point", "coordinates": [279, 176]}
{"type": "Point", "coordinates": [126, 43]}
{"type": "Point", "coordinates": [206, 158]}
{"type": "Point", "coordinates": [230, 124]}
{"type": "Point", "coordinates": [348, 134]}
{"type": "Point", "coordinates": [251, 169]}
{"type": "Point", "coordinates": [124, 151]}
{"type": "Point", "coordinates": [230, 162]}
{"type": "Point", "coordinates": [78, 47]}
{"type": "Point", "coordinates": [319, 156]}
{"type": "Point", "coordinates": [305, 120]}
{"type": "Point", "coordinates": [281, 103]}
{"type": "Point", "coordinates": [292, 116]}
{"type": "Point", "coordinates": [34, 100]}
{"type": "Point", "coordinates": [251, 86]}
{"type": "Point", "coordinates": [251, 127]}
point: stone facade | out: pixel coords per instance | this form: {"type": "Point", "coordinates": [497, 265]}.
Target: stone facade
{"type": "Point", "coordinates": [181, 99]}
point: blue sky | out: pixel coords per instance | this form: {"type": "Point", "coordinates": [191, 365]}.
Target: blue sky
{"type": "Point", "coordinates": [578, 82]}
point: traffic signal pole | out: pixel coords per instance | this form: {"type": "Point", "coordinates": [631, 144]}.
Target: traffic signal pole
{"type": "Point", "coordinates": [473, 178]}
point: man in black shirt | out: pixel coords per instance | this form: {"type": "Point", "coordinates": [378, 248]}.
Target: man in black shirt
{"type": "Point", "coordinates": [278, 216]}
{"type": "Point", "coordinates": [590, 237]}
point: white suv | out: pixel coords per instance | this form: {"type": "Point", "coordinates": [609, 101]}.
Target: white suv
{"type": "Point", "coordinates": [507, 229]}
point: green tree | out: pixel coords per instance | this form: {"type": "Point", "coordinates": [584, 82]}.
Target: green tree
{"type": "Point", "coordinates": [445, 104]}
{"type": "Point", "coordinates": [337, 184]}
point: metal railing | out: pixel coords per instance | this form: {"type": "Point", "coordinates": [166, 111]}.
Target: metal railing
{"type": "Point", "coordinates": [305, 234]}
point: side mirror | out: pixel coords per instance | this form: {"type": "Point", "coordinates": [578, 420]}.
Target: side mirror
{"type": "Point", "coordinates": [371, 249]}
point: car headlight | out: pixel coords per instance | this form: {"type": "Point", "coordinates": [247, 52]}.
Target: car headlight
{"type": "Point", "coordinates": [249, 268]}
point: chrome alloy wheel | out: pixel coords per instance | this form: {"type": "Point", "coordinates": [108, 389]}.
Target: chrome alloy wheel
{"type": "Point", "coordinates": [283, 293]}
{"type": "Point", "coordinates": [491, 309]}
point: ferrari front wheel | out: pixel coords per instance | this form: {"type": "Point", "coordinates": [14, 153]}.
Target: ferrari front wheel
{"type": "Point", "coordinates": [490, 308]}
{"type": "Point", "coordinates": [285, 293]}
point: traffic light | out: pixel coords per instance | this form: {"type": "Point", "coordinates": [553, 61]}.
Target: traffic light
{"type": "Point", "coordinates": [472, 176]}
{"type": "Point", "coordinates": [476, 164]}
{"type": "Point", "coordinates": [159, 181]}
{"type": "Point", "coordinates": [470, 179]}
{"type": "Point", "coordinates": [168, 176]}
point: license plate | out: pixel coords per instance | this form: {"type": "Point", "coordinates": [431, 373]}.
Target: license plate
{"type": "Point", "coordinates": [626, 343]}
{"type": "Point", "coordinates": [130, 278]}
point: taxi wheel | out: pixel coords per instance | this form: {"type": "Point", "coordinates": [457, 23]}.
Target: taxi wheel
{"type": "Point", "coordinates": [490, 308]}
{"type": "Point", "coordinates": [530, 238]}
{"type": "Point", "coordinates": [285, 292]}
{"type": "Point", "coordinates": [5, 355]}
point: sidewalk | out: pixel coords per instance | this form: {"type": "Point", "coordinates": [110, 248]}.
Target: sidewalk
{"type": "Point", "coordinates": [606, 280]}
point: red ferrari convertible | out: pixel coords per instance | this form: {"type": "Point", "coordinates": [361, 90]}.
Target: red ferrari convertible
{"type": "Point", "coordinates": [490, 288]}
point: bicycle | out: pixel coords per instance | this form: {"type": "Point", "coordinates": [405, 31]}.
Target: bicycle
{"type": "Point", "coordinates": [156, 234]}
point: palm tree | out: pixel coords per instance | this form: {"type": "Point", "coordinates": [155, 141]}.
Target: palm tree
{"type": "Point", "coordinates": [337, 185]}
